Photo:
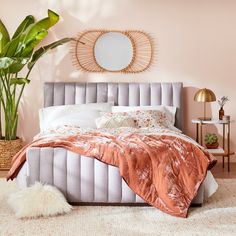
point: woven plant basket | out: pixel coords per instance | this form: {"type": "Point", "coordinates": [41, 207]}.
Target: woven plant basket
{"type": "Point", "coordinates": [8, 148]}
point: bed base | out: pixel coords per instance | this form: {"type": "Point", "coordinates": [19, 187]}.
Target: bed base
{"type": "Point", "coordinates": [81, 179]}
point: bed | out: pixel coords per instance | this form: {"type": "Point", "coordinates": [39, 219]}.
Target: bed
{"type": "Point", "coordinates": [85, 180]}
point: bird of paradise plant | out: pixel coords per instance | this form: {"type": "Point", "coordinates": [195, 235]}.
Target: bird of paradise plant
{"type": "Point", "coordinates": [17, 52]}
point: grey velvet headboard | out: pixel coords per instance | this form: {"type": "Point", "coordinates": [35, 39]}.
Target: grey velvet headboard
{"type": "Point", "coordinates": [123, 94]}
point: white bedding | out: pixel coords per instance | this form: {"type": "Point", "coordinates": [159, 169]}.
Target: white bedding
{"type": "Point", "coordinates": [82, 115]}
{"type": "Point", "coordinates": [210, 185]}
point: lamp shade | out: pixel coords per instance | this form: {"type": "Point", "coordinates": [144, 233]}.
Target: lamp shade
{"type": "Point", "coordinates": [204, 95]}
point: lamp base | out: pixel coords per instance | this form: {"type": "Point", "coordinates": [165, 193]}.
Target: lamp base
{"type": "Point", "coordinates": [204, 118]}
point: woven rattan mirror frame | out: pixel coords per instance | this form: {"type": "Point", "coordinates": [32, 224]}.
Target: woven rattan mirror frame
{"type": "Point", "coordinates": [83, 57]}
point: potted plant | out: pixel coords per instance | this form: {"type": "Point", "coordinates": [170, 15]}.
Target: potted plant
{"type": "Point", "coordinates": [222, 101]}
{"type": "Point", "coordinates": [18, 52]}
{"type": "Point", "coordinates": [211, 141]}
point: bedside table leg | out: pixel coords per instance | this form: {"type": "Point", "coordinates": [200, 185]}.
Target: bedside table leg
{"type": "Point", "coordinates": [228, 163]}
{"type": "Point", "coordinates": [197, 135]}
{"type": "Point", "coordinates": [228, 140]}
{"type": "Point", "coordinates": [201, 134]}
{"type": "Point", "coordinates": [223, 157]}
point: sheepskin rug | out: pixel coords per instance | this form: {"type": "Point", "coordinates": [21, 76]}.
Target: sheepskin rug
{"type": "Point", "coordinates": [38, 201]}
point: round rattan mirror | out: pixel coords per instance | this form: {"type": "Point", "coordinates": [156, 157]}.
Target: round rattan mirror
{"type": "Point", "coordinates": [113, 51]}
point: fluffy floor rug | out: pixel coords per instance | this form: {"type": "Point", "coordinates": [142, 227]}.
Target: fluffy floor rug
{"type": "Point", "coordinates": [38, 200]}
{"type": "Point", "coordinates": [216, 217]}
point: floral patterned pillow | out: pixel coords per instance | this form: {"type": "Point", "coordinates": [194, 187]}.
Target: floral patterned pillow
{"type": "Point", "coordinates": [147, 119]}
{"type": "Point", "coordinates": [143, 118]}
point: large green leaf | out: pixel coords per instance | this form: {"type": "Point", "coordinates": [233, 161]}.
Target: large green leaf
{"type": "Point", "coordinates": [24, 25]}
{"type": "Point", "coordinates": [4, 36]}
{"type": "Point", "coordinates": [13, 65]}
{"type": "Point", "coordinates": [31, 44]}
{"type": "Point", "coordinates": [28, 35]}
{"type": "Point", "coordinates": [18, 64]}
{"type": "Point", "coordinates": [6, 62]}
{"type": "Point", "coordinates": [45, 24]}
{"type": "Point", "coordinates": [41, 51]}
{"type": "Point", "coordinates": [11, 47]}
{"type": "Point", "coordinates": [19, 81]}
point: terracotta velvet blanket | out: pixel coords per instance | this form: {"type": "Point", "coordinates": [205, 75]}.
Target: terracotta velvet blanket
{"type": "Point", "coordinates": [164, 168]}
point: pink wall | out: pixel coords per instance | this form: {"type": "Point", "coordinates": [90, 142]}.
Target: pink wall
{"type": "Point", "coordinates": [196, 43]}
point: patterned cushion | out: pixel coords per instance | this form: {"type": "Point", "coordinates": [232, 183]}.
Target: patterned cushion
{"type": "Point", "coordinates": [114, 121]}
{"type": "Point", "coordinates": [170, 111]}
{"type": "Point", "coordinates": [141, 118]}
{"type": "Point", "coordinates": [146, 118]}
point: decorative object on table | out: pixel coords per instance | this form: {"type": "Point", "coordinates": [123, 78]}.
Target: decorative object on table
{"type": "Point", "coordinates": [211, 141]}
{"type": "Point", "coordinates": [224, 150]}
{"type": "Point", "coordinates": [16, 53]}
{"type": "Point", "coordinates": [222, 101]}
{"type": "Point", "coordinates": [226, 118]}
{"type": "Point", "coordinates": [130, 51]}
{"type": "Point", "coordinates": [204, 95]}
{"type": "Point", "coordinates": [50, 202]}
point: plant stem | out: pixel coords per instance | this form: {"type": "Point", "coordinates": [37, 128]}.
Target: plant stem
{"type": "Point", "coordinates": [9, 101]}
{"type": "Point", "coordinates": [8, 106]}
{"type": "Point", "coordinates": [0, 110]}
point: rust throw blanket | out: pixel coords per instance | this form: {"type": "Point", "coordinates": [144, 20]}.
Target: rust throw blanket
{"type": "Point", "coordinates": [164, 168]}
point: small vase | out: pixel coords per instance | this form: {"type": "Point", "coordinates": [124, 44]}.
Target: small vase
{"type": "Point", "coordinates": [221, 113]}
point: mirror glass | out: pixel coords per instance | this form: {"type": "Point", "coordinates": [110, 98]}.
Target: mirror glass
{"type": "Point", "coordinates": [113, 51]}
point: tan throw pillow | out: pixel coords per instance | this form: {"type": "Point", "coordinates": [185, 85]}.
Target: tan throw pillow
{"type": "Point", "coordinates": [142, 118]}
{"type": "Point", "coordinates": [170, 111]}
{"type": "Point", "coordinates": [147, 119]}
{"type": "Point", "coordinates": [114, 121]}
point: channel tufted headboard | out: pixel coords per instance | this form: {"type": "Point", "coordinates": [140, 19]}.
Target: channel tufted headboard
{"type": "Point", "coordinates": [123, 94]}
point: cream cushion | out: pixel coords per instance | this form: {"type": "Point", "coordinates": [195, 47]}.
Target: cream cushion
{"type": "Point", "coordinates": [114, 121]}
{"type": "Point", "coordinates": [145, 118]}
{"type": "Point", "coordinates": [169, 110]}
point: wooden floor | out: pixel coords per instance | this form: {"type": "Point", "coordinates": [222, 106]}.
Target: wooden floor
{"type": "Point", "coordinates": [222, 173]}
{"type": "Point", "coordinates": [3, 174]}
{"type": "Point", "coordinates": [217, 171]}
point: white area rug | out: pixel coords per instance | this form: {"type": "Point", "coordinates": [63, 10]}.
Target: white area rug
{"type": "Point", "coordinates": [216, 217]}
{"type": "Point", "coordinates": [38, 200]}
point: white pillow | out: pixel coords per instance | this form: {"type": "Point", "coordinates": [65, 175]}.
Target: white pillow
{"type": "Point", "coordinates": [108, 121]}
{"type": "Point", "coordinates": [169, 110]}
{"type": "Point", "coordinates": [82, 119]}
{"type": "Point", "coordinates": [82, 115]}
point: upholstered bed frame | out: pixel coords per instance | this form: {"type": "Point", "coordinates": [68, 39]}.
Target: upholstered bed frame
{"type": "Point", "coordinates": [87, 180]}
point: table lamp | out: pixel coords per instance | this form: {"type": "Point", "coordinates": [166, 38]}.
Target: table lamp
{"type": "Point", "coordinates": [204, 95]}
